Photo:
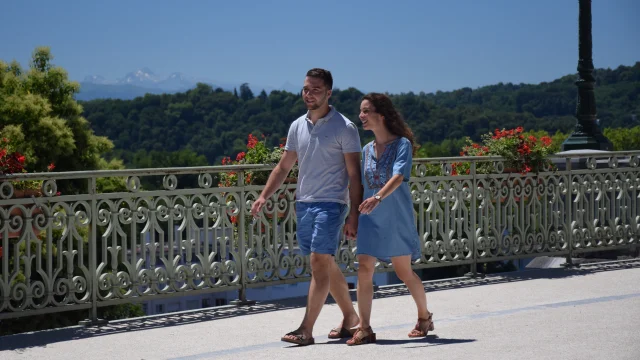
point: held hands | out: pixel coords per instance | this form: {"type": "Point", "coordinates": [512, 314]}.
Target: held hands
{"type": "Point", "coordinates": [351, 227]}
{"type": "Point", "coordinates": [367, 206]}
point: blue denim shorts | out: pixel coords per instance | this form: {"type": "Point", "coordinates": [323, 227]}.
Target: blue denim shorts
{"type": "Point", "coordinates": [320, 226]}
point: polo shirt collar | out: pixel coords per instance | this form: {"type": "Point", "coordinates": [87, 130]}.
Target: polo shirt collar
{"type": "Point", "coordinates": [322, 119]}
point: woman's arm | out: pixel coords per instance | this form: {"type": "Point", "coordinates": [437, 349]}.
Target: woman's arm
{"type": "Point", "coordinates": [369, 204]}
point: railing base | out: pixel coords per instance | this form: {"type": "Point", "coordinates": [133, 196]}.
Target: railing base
{"type": "Point", "coordinates": [242, 302]}
{"type": "Point", "coordinates": [570, 265]}
{"type": "Point", "coordinates": [475, 275]}
{"type": "Point", "coordinates": [90, 322]}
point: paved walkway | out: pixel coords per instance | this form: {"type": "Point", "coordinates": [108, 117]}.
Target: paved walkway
{"type": "Point", "coordinates": [590, 313]}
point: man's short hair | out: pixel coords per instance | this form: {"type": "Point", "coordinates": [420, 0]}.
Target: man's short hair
{"type": "Point", "coordinates": [323, 74]}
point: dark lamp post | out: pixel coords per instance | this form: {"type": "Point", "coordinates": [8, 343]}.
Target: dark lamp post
{"type": "Point", "coordinates": [587, 133]}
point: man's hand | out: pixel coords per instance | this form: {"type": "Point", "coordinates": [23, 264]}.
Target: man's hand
{"type": "Point", "coordinates": [257, 206]}
{"type": "Point", "coordinates": [351, 227]}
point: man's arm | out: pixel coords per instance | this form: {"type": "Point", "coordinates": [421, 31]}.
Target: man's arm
{"type": "Point", "coordinates": [279, 173]}
{"type": "Point", "coordinates": [276, 178]}
{"type": "Point", "coordinates": [352, 161]}
{"type": "Point", "coordinates": [355, 182]}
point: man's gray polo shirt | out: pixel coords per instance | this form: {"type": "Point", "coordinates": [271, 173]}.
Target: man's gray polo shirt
{"type": "Point", "coordinates": [321, 147]}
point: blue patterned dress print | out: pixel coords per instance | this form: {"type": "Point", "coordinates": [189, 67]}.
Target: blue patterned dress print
{"type": "Point", "coordinates": [389, 230]}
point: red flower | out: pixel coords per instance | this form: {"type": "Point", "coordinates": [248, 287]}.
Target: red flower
{"type": "Point", "coordinates": [519, 129]}
{"type": "Point", "coordinates": [240, 156]}
{"type": "Point", "coordinates": [20, 158]}
{"type": "Point", "coordinates": [546, 140]}
{"type": "Point", "coordinates": [524, 149]}
{"type": "Point", "coordinates": [51, 167]}
{"type": "Point", "coordinates": [252, 142]}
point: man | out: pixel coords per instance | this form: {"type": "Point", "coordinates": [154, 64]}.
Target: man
{"type": "Point", "coordinates": [327, 147]}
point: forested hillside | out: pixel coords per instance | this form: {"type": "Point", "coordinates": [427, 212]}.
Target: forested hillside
{"type": "Point", "coordinates": [215, 123]}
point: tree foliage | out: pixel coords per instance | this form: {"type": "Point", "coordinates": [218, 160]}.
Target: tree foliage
{"type": "Point", "coordinates": [214, 123]}
{"type": "Point", "coordinates": [41, 119]}
{"type": "Point", "coordinates": [40, 116]}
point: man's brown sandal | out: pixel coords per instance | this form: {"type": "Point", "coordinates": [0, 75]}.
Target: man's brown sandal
{"type": "Point", "coordinates": [423, 326]}
{"type": "Point", "coordinates": [298, 338]}
{"type": "Point", "coordinates": [362, 336]}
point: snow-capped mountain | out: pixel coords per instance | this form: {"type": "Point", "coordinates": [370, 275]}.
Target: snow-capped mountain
{"type": "Point", "coordinates": [178, 81]}
{"type": "Point", "coordinates": [141, 77]}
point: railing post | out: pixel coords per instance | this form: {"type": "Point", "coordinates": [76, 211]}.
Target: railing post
{"type": "Point", "coordinates": [242, 229]}
{"type": "Point", "coordinates": [93, 241]}
{"type": "Point", "coordinates": [473, 273]}
{"type": "Point", "coordinates": [569, 214]}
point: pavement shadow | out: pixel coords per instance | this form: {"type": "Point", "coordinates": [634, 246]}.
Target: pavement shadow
{"type": "Point", "coordinates": [430, 340]}
{"type": "Point", "coordinates": [46, 337]}
{"type": "Point", "coordinates": [43, 338]}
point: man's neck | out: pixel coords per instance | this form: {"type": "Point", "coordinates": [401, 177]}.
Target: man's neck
{"type": "Point", "coordinates": [317, 114]}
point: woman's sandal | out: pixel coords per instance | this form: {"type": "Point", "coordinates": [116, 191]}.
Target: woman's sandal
{"type": "Point", "coordinates": [362, 336]}
{"type": "Point", "coordinates": [423, 326]}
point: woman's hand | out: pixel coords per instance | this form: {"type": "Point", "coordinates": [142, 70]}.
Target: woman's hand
{"type": "Point", "coordinates": [367, 206]}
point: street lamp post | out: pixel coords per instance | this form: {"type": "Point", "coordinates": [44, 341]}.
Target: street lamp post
{"type": "Point", "coordinates": [587, 134]}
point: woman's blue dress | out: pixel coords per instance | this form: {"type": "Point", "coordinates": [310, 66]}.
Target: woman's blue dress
{"type": "Point", "coordinates": [389, 230]}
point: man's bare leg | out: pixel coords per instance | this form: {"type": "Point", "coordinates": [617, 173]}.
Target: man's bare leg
{"type": "Point", "coordinates": [318, 292]}
{"type": "Point", "coordinates": [340, 292]}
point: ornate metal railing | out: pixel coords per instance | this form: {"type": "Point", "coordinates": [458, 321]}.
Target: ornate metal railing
{"type": "Point", "coordinates": [91, 249]}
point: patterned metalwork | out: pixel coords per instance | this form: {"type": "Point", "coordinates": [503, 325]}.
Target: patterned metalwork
{"type": "Point", "coordinates": [81, 251]}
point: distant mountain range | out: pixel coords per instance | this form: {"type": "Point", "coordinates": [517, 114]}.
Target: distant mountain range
{"type": "Point", "coordinates": [144, 81]}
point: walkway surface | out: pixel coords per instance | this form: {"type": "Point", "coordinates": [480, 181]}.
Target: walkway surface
{"type": "Point", "coordinates": [589, 313]}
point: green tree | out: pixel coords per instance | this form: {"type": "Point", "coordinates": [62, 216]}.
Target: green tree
{"type": "Point", "coordinates": [216, 123]}
{"type": "Point", "coordinates": [41, 119]}
{"type": "Point", "coordinates": [39, 114]}
{"type": "Point", "coordinates": [245, 92]}
{"type": "Point", "coordinates": [624, 139]}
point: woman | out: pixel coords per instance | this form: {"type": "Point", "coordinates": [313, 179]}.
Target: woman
{"type": "Point", "coordinates": [386, 228]}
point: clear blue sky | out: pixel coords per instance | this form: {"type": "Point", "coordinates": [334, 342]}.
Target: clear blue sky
{"type": "Point", "coordinates": [374, 45]}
